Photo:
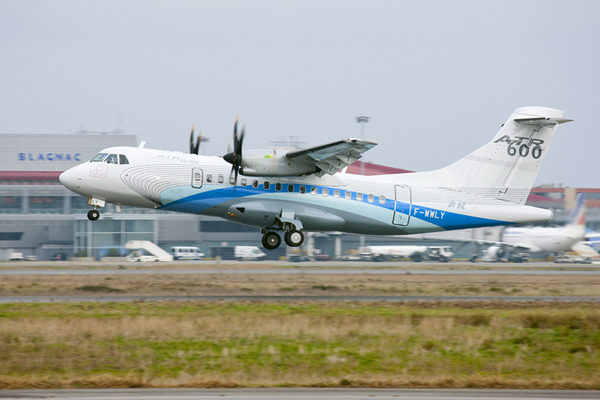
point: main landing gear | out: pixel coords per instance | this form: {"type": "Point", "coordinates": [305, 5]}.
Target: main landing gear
{"type": "Point", "coordinates": [271, 240]}
{"type": "Point", "coordinates": [293, 238]}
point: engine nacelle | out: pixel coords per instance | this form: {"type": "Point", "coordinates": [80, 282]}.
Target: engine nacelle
{"type": "Point", "coordinates": [272, 162]}
{"type": "Point", "coordinates": [496, 252]}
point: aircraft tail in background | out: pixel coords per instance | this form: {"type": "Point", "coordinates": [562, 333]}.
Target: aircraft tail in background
{"type": "Point", "coordinates": [578, 215]}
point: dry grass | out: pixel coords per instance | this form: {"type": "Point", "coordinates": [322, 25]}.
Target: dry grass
{"type": "Point", "coordinates": [201, 344]}
{"type": "Point", "coordinates": [405, 284]}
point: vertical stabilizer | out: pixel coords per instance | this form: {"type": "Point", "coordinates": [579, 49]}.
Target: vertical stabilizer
{"type": "Point", "coordinates": [506, 167]}
{"type": "Point", "coordinates": [577, 217]}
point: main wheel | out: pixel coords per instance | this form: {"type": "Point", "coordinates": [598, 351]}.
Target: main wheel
{"type": "Point", "coordinates": [294, 238]}
{"type": "Point", "coordinates": [271, 240]}
{"type": "Point", "coordinates": [93, 215]}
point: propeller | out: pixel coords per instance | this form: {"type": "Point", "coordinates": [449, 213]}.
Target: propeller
{"type": "Point", "coordinates": [235, 157]}
{"type": "Point", "coordinates": [195, 147]}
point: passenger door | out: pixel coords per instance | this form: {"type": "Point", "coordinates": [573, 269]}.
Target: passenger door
{"type": "Point", "coordinates": [196, 178]}
{"type": "Point", "coordinates": [402, 206]}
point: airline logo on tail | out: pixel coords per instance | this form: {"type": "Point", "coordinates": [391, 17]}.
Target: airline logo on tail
{"type": "Point", "coordinates": [522, 146]}
{"type": "Point", "coordinates": [578, 215]}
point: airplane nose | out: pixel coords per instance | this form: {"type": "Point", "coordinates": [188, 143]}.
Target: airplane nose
{"type": "Point", "coordinates": [68, 178]}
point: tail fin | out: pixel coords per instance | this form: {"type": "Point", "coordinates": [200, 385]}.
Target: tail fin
{"type": "Point", "coordinates": [578, 215]}
{"type": "Point", "coordinates": [506, 167]}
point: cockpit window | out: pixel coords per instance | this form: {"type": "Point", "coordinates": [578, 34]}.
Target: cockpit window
{"type": "Point", "coordinates": [99, 157]}
{"type": "Point", "coordinates": [123, 159]}
{"type": "Point", "coordinates": [112, 159]}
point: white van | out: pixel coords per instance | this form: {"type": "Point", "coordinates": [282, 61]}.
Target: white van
{"type": "Point", "coordinates": [186, 253]}
{"type": "Point", "coordinates": [248, 253]}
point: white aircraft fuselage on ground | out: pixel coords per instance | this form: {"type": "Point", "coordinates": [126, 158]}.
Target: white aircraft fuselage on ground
{"type": "Point", "coordinates": [302, 190]}
{"type": "Point", "coordinates": [549, 239]}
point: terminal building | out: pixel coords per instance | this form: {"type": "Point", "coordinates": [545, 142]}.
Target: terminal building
{"type": "Point", "coordinates": [41, 218]}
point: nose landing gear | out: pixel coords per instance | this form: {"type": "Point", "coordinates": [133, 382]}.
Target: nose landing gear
{"type": "Point", "coordinates": [93, 215]}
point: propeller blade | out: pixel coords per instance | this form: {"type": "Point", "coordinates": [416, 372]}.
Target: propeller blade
{"type": "Point", "coordinates": [240, 143]}
{"type": "Point", "coordinates": [192, 140]}
{"type": "Point", "coordinates": [235, 135]}
{"type": "Point", "coordinates": [235, 157]}
{"type": "Point", "coordinates": [199, 141]}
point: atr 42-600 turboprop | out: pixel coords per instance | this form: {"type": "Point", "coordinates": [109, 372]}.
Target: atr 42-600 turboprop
{"type": "Point", "coordinates": [295, 191]}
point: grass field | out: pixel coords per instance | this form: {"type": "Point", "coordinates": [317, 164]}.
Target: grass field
{"type": "Point", "coordinates": [223, 344]}
{"type": "Point", "coordinates": [350, 284]}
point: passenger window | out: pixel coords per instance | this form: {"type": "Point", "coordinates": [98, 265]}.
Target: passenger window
{"type": "Point", "coordinates": [381, 199]}
{"type": "Point", "coordinates": [325, 192]}
{"type": "Point", "coordinates": [278, 187]}
{"type": "Point", "coordinates": [208, 178]}
{"type": "Point", "coordinates": [336, 193]}
{"type": "Point", "coordinates": [112, 159]}
{"type": "Point", "coordinates": [244, 182]}
{"type": "Point", "coordinates": [291, 188]}
{"type": "Point", "coordinates": [231, 180]}
{"type": "Point", "coordinates": [371, 198]}
{"type": "Point", "coordinates": [266, 185]}
{"type": "Point", "coordinates": [302, 189]}
{"type": "Point", "coordinates": [348, 195]}
{"type": "Point", "coordinates": [359, 196]}
{"type": "Point", "coordinates": [314, 190]}
{"type": "Point", "coordinates": [255, 184]}
{"type": "Point", "coordinates": [123, 159]}
{"type": "Point", "coordinates": [221, 179]}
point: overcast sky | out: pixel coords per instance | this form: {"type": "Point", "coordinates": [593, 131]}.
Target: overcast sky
{"type": "Point", "coordinates": [437, 78]}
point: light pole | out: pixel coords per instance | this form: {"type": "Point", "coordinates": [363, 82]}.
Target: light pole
{"type": "Point", "coordinates": [362, 120]}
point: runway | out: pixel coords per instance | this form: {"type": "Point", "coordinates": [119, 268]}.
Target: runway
{"type": "Point", "coordinates": [285, 299]}
{"type": "Point", "coordinates": [295, 271]}
{"type": "Point", "coordinates": [299, 393]}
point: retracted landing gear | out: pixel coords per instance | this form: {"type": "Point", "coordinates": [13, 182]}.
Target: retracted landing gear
{"type": "Point", "coordinates": [271, 240]}
{"type": "Point", "coordinates": [93, 215]}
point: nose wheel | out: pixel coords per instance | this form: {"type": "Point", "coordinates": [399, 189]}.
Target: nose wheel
{"type": "Point", "coordinates": [271, 240]}
{"type": "Point", "coordinates": [93, 215]}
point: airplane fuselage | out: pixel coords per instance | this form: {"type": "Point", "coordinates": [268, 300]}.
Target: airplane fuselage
{"type": "Point", "coordinates": [381, 205]}
{"type": "Point", "coordinates": [542, 239]}
{"type": "Point", "coordinates": [293, 191]}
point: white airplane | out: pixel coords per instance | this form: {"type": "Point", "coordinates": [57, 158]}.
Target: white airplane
{"type": "Point", "coordinates": [542, 239]}
{"type": "Point", "coordinates": [302, 190]}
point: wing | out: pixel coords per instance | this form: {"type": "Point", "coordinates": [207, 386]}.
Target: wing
{"type": "Point", "coordinates": [333, 157]}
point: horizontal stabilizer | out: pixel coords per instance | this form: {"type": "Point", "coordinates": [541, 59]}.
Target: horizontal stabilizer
{"type": "Point", "coordinates": [542, 121]}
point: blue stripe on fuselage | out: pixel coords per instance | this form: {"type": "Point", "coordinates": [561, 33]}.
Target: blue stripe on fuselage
{"type": "Point", "coordinates": [208, 197]}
